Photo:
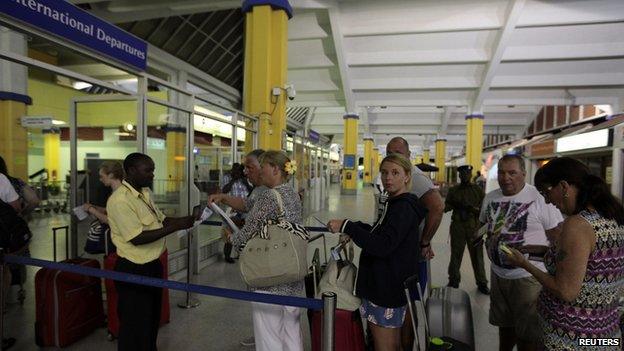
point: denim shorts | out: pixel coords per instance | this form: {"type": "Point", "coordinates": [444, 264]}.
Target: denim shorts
{"type": "Point", "coordinates": [383, 316]}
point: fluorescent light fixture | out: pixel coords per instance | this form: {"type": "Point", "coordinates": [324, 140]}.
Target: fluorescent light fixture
{"type": "Point", "coordinates": [212, 113]}
{"type": "Point", "coordinates": [81, 85]}
{"type": "Point", "coordinates": [591, 140]}
{"type": "Point", "coordinates": [57, 122]}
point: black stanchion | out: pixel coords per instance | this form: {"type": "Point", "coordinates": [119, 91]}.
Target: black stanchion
{"type": "Point", "coordinates": [189, 302]}
{"type": "Point", "coordinates": [329, 313]}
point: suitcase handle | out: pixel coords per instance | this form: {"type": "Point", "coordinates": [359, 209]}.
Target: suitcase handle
{"type": "Point", "coordinates": [408, 284]}
{"type": "Point", "coordinates": [66, 229]}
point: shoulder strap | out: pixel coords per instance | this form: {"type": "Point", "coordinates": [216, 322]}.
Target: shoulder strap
{"type": "Point", "coordinates": [279, 202]}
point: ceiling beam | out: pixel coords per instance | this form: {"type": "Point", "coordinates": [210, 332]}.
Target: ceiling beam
{"type": "Point", "coordinates": [514, 9]}
{"type": "Point", "coordinates": [444, 121]}
{"type": "Point", "coordinates": [334, 19]}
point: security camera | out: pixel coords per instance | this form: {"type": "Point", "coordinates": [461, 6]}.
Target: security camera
{"type": "Point", "coordinates": [290, 91]}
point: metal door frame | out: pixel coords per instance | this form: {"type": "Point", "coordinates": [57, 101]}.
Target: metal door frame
{"type": "Point", "coordinates": [73, 151]}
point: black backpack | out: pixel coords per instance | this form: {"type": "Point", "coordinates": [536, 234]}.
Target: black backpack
{"type": "Point", "coordinates": [14, 232]}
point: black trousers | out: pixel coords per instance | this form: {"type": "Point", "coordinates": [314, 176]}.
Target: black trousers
{"type": "Point", "coordinates": [138, 307]}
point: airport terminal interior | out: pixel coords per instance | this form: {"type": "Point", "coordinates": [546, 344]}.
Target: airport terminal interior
{"type": "Point", "coordinates": [198, 84]}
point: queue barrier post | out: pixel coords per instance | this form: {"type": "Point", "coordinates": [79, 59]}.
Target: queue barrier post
{"type": "Point", "coordinates": [189, 302]}
{"type": "Point", "coordinates": [329, 313]}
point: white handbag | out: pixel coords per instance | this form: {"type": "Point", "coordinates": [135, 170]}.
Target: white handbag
{"type": "Point", "coordinates": [341, 281]}
{"type": "Point", "coordinates": [277, 255]}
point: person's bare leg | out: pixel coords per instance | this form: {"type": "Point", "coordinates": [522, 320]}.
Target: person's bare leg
{"type": "Point", "coordinates": [386, 339]}
{"type": "Point", "coordinates": [506, 339]}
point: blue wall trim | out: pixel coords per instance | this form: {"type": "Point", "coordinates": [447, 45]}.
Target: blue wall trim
{"type": "Point", "coordinates": [275, 4]}
{"type": "Point", "coordinates": [5, 95]}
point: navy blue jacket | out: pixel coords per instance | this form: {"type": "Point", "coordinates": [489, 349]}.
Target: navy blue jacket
{"type": "Point", "coordinates": [390, 250]}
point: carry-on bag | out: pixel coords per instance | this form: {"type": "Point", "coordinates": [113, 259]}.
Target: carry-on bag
{"type": "Point", "coordinates": [448, 317]}
{"type": "Point", "coordinates": [68, 305]}
{"type": "Point", "coordinates": [339, 277]}
{"type": "Point", "coordinates": [348, 331]}
{"type": "Point", "coordinates": [276, 255]}
{"type": "Point", "coordinates": [111, 293]}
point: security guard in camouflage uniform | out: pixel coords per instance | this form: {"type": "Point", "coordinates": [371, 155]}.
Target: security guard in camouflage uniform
{"type": "Point", "coordinates": [465, 201]}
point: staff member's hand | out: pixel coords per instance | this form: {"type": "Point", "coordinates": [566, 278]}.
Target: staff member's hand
{"type": "Point", "coordinates": [334, 225]}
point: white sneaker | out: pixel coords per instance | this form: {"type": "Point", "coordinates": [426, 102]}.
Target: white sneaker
{"type": "Point", "coordinates": [250, 341]}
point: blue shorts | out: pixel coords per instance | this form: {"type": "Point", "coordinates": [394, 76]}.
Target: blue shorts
{"type": "Point", "coordinates": [383, 316]}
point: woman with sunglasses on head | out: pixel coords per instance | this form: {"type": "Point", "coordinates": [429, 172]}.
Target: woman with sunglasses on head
{"type": "Point", "coordinates": [585, 263]}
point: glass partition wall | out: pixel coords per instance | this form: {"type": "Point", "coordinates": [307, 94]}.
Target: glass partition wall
{"type": "Point", "coordinates": [193, 143]}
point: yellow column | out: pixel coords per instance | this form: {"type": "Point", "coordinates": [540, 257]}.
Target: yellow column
{"type": "Point", "coordinates": [474, 141]}
{"type": "Point", "coordinates": [14, 138]}
{"type": "Point", "coordinates": [418, 159]}
{"type": "Point", "coordinates": [176, 142]}
{"type": "Point", "coordinates": [350, 159]}
{"type": "Point", "coordinates": [368, 160]}
{"type": "Point", "coordinates": [266, 62]}
{"type": "Point", "coordinates": [52, 154]}
{"type": "Point", "coordinates": [440, 160]}
{"type": "Point", "coordinates": [376, 161]}
{"type": "Point", "coordinates": [426, 158]}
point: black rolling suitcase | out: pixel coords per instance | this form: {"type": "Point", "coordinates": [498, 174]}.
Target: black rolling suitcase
{"type": "Point", "coordinates": [448, 320]}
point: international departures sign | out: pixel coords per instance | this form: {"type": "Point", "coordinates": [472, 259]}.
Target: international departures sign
{"type": "Point", "coordinates": [69, 22]}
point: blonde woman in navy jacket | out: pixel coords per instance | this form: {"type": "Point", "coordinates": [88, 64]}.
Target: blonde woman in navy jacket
{"type": "Point", "coordinates": [390, 251]}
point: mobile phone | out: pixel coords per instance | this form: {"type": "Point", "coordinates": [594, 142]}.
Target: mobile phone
{"type": "Point", "coordinates": [506, 249]}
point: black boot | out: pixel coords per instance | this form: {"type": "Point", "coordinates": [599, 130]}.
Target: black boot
{"type": "Point", "coordinates": [227, 251]}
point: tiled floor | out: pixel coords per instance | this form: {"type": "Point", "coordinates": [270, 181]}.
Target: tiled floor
{"type": "Point", "coordinates": [218, 323]}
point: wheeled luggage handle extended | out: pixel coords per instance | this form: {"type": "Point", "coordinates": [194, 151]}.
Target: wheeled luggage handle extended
{"type": "Point", "coordinates": [54, 230]}
{"type": "Point", "coordinates": [407, 284]}
{"type": "Point", "coordinates": [320, 236]}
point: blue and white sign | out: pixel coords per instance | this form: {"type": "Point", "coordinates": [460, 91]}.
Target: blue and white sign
{"type": "Point", "coordinates": [314, 136]}
{"type": "Point", "coordinates": [69, 22]}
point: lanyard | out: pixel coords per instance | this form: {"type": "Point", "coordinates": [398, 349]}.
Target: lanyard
{"type": "Point", "coordinates": [149, 205]}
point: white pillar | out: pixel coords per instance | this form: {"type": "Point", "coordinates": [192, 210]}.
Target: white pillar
{"type": "Point", "coordinates": [13, 77]}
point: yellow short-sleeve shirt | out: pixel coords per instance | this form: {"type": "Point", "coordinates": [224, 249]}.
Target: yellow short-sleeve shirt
{"type": "Point", "coordinates": [130, 213]}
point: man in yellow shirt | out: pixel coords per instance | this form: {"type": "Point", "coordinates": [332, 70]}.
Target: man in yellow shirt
{"type": "Point", "coordinates": [138, 229]}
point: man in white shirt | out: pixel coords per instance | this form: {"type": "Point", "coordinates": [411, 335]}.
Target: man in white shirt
{"type": "Point", "coordinates": [8, 193]}
{"type": "Point", "coordinates": [9, 196]}
{"type": "Point", "coordinates": [516, 215]}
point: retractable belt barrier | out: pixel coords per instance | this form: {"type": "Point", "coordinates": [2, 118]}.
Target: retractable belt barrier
{"type": "Point", "coordinates": [327, 304]}
{"type": "Point", "coordinates": [315, 304]}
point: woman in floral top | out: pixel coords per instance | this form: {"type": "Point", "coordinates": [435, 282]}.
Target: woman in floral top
{"type": "Point", "coordinates": [585, 263]}
{"type": "Point", "coordinates": [276, 328]}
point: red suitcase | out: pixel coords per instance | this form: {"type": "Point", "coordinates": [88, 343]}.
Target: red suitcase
{"type": "Point", "coordinates": [349, 334]}
{"type": "Point", "coordinates": [111, 295]}
{"type": "Point", "coordinates": [68, 305]}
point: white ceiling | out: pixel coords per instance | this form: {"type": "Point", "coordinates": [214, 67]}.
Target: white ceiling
{"type": "Point", "coordinates": [415, 68]}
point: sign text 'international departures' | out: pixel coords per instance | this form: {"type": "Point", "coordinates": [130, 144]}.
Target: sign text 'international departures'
{"type": "Point", "coordinates": [69, 22]}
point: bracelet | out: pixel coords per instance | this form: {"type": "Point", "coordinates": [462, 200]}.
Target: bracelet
{"type": "Point", "coordinates": [425, 245]}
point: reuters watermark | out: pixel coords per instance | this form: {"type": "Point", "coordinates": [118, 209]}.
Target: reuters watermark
{"type": "Point", "coordinates": [599, 342]}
